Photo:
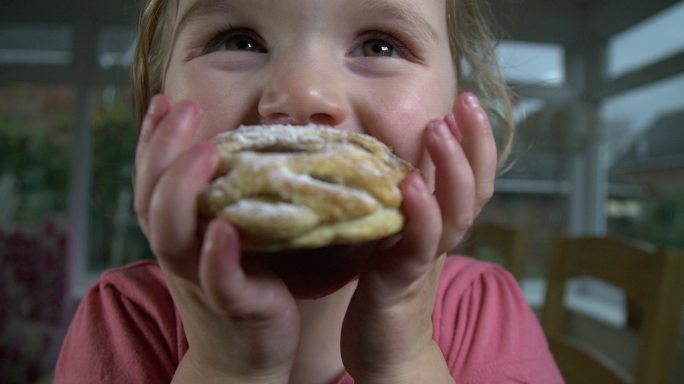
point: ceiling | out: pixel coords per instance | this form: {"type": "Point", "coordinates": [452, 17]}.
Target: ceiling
{"type": "Point", "coordinates": [570, 22]}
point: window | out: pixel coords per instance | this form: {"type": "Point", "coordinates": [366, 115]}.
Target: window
{"type": "Point", "coordinates": [631, 113]}
{"type": "Point", "coordinates": [114, 237]}
{"type": "Point", "coordinates": [115, 46]}
{"type": "Point", "coordinates": [652, 40]}
{"type": "Point", "coordinates": [35, 143]}
{"type": "Point", "coordinates": [532, 62]}
{"type": "Point", "coordinates": [35, 44]}
{"type": "Point", "coordinates": [649, 163]}
{"type": "Point", "coordinates": [35, 157]}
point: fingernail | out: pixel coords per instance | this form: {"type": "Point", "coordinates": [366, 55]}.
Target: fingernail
{"type": "Point", "coordinates": [187, 110]}
{"type": "Point", "coordinates": [417, 184]}
{"type": "Point", "coordinates": [207, 149]}
{"type": "Point", "coordinates": [155, 105]}
{"type": "Point", "coordinates": [153, 109]}
{"type": "Point", "coordinates": [441, 130]}
{"type": "Point", "coordinates": [206, 154]}
{"type": "Point", "coordinates": [471, 100]}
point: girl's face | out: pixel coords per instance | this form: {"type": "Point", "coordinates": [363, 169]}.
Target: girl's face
{"type": "Point", "coordinates": [381, 67]}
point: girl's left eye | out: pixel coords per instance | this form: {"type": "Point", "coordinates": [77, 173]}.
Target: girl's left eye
{"type": "Point", "coordinates": [236, 40]}
{"type": "Point", "coordinates": [381, 45]}
{"type": "Point", "coordinates": [377, 48]}
{"type": "Point", "coordinates": [242, 43]}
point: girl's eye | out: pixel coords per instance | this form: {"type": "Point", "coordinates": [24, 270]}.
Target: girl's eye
{"type": "Point", "coordinates": [377, 47]}
{"type": "Point", "coordinates": [242, 43]}
{"type": "Point", "coordinates": [381, 45]}
{"type": "Point", "coordinates": [235, 41]}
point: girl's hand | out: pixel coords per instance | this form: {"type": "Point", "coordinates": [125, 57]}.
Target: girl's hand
{"type": "Point", "coordinates": [241, 326]}
{"type": "Point", "coordinates": [387, 332]}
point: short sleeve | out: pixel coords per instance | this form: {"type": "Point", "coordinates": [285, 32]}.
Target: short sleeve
{"type": "Point", "coordinates": [125, 330]}
{"type": "Point", "coordinates": [485, 328]}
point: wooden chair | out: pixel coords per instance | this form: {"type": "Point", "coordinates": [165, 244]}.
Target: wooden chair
{"type": "Point", "coordinates": [510, 243]}
{"type": "Point", "coordinates": [651, 278]}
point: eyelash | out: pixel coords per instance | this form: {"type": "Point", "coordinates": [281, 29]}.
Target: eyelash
{"type": "Point", "coordinates": [400, 48]}
{"type": "Point", "coordinates": [220, 37]}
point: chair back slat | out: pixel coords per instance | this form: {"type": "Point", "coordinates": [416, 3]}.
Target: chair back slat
{"type": "Point", "coordinates": [651, 278]}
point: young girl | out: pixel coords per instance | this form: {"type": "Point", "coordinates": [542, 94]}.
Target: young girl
{"type": "Point", "coordinates": [402, 312]}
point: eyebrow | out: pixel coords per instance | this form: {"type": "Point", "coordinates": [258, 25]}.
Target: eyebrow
{"type": "Point", "coordinates": [403, 12]}
{"type": "Point", "coordinates": [400, 11]}
{"type": "Point", "coordinates": [200, 8]}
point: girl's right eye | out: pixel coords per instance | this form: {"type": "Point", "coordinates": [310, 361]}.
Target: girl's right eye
{"type": "Point", "coordinates": [233, 40]}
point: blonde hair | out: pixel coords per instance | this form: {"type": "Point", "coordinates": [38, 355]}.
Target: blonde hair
{"type": "Point", "coordinates": [473, 51]}
{"type": "Point", "coordinates": [155, 39]}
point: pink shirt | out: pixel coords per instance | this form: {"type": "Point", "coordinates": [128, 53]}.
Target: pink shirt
{"type": "Point", "coordinates": [127, 329]}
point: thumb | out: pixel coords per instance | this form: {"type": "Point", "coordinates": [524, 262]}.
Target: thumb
{"type": "Point", "coordinates": [225, 282]}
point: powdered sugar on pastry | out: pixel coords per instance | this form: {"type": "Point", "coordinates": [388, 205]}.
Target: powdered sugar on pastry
{"type": "Point", "coordinates": [288, 187]}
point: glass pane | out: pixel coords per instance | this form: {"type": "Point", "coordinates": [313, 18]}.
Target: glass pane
{"type": "Point", "coordinates": [655, 216]}
{"type": "Point", "coordinates": [532, 62]}
{"type": "Point", "coordinates": [647, 42]}
{"type": "Point", "coordinates": [542, 216]}
{"type": "Point", "coordinates": [536, 154]}
{"type": "Point", "coordinates": [631, 113]}
{"type": "Point", "coordinates": [525, 107]}
{"type": "Point", "coordinates": [650, 166]}
{"type": "Point", "coordinates": [35, 145]}
{"type": "Point", "coordinates": [116, 46]}
{"type": "Point", "coordinates": [36, 125]}
{"type": "Point", "coordinates": [114, 237]}
{"type": "Point", "coordinates": [35, 44]}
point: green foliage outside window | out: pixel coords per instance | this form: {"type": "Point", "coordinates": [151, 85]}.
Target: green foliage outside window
{"type": "Point", "coordinates": [114, 237]}
{"type": "Point", "coordinates": [35, 159]}
{"type": "Point", "coordinates": [662, 220]}
{"type": "Point", "coordinates": [36, 149]}
{"type": "Point", "coordinates": [35, 128]}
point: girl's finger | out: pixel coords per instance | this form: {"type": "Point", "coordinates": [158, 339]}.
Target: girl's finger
{"type": "Point", "coordinates": [158, 108]}
{"type": "Point", "coordinates": [163, 143]}
{"type": "Point", "coordinates": [479, 146]}
{"type": "Point", "coordinates": [227, 286]}
{"type": "Point", "coordinates": [454, 183]}
{"type": "Point", "coordinates": [396, 268]}
{"type": "Point", "coordinates": [173, 207]}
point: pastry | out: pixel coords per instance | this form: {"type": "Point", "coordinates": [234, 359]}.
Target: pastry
{"type": "Point", "coordinates": [293, 187]}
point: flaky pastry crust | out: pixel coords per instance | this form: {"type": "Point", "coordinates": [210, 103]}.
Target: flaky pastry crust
{"type": "Point", "coordinates": [291, 187]}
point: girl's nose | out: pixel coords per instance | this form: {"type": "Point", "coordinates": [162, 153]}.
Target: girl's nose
{"type": "Point", "coordinates": [297, 93]}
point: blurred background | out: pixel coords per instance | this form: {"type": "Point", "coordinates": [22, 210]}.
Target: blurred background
{"type": "Point", "coordinates": [598, 88]}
